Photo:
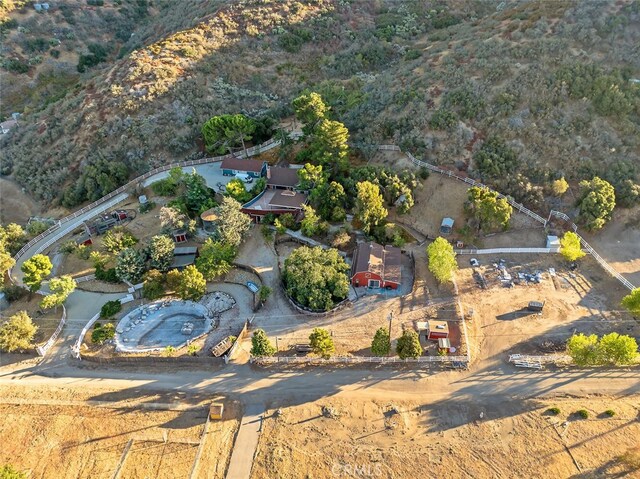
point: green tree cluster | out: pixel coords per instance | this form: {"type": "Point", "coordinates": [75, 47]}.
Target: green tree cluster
{"type": "Point", "coordinates": [612, 348]}
{"type": "Point", "coordinates": [35, 269]}
{"type": "Point", "coordinates": [101, 334]}
{"type": "Point", "coordinates": [408, 345]}
{"type": "Point", "coordinates": [60, 289]}
{"type": "Point", "coordinates": [153, 286]}
{"type": "Point", "coordinates": [442, 260]}
{"type": "Point", "coordinates": [380, 345]}
{"type": "Point", "coordinates": [488, 210]}
{"type": "Point", "coordinates": [632, 302]}
{"type": "Point", "coordinates": [260, 344]}
{"type": "Point", "coordinates": [17, 332]}
{"type": "Point", "coordinates": [316, 278]}
{"type": "Point", "coordinates": [495, 159]}
{"type": "Point", "coordinates": [570, 247]}
{"type": "Point", "coordinates": [596, 202]}
{"type": "Point", "coordinates": [215, 259]}
{"type": "Point", "coordinates": [322, 343]}
{"type": "Point", "coordinates": [160, 252]}
{"type": "Point", "coordinates": [117, 239]}
{"type": "Point", "coordinates": [130, 265]}
{"type": "Point", "coordinates": [188, 284]}
{"type": "Point", "coordinates": [232, 222]}
{"type": "Point", "coordinates": [369, 209]}
{"type": "Point", "coordinates": [223, 133]}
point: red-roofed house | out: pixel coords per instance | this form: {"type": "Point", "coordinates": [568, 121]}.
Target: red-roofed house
{"type": "Point", "coordinates": [376, 266]}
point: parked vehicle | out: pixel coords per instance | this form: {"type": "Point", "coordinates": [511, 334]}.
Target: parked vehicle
{"type": "Point", "coordinates": [244, 177]}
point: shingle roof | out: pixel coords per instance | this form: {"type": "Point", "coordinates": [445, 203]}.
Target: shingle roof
{"type": "Point", "coordinates": [288, 199]}
{"type": "Point", "coordinates": [278, 176]}
{"type": "Point", "coordinates": [384, 261]}
{"type": "Point", "coordinates": [240, 164]}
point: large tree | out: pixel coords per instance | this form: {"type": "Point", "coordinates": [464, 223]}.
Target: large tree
{"type": "Point", "coordinates": [129, 266]}
{"type": "Point", "coordinates": [160, 251]}
{"type": "Point", "coordinates": [192, 284]}
{"type": "Point", "coordinates": [215, 259]}
{"type": "Point", "coordinates": [260, 344]}
{"type": "Point", "coordinates": [380, 345]}
{"type": "Point", "coordinates": [618, 349]}
{"type": "Point", "coordinates": [570, 247]}
{"type": "Point", "coordinates": [442, 260]}
{"type": "Point", "coordinates": [488, 210]}
{"type": "Point", "coordinates": [408, 345]}
{"type": "Point", "coordinates": [632, 302]}
{"type": "Point", "coordinates": [596, 202]}
{"type": "Point", "coordinates": [17, 333]}
{"type": "Point", "coordinates": [153, 285]}
{"type": "Point", "coordinates": [315, 277]}
{"type": "Point", "coordinates": [35, 269]}
{"type": "Point", "coordinates": [329, 144]}
{"type": "Point", "coordinates": [583, 349]}
{"type": "Point", "coordinates": [196, 192]}
{"type": "Point", "coordinates": [322, 342]}
{"type": "Point", "coordinates": [172, 219]}
{"type": "Point", "coordinates": [370, 208]}
{"type": "Point", "coordinates": [223, 133]}
{"type": "Point", "coordinates": [12, 237]}
{"type": "Point", "coordinates": [118, 239]}
{"type": "Point", "coordinates": [310, 111]}
{"type": "Point", "coordinates": [330, 201]}
{"type": "Point", "coordinates": [232, 222]}
{"type": "Point", "coordinates": [60, 289]}
{"type": "Point", "coordinates": [309, 224]}
{"type": "Point", "coordinates": [6, 261]}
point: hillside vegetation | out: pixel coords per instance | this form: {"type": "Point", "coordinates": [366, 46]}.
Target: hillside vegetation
{"type": "Point", "coordinates": [518, 94]}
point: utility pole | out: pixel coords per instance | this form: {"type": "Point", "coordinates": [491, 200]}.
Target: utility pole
{"type": "Point", "coordinates": [390, 320]}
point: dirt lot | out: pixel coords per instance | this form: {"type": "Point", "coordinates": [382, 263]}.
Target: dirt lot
{"type": "Point", "coordinates": [62, 437]}
{"type": "Point", "coordinates": [586, 301]}
{"type": "Point", "coordinates": [15, 206]}
{"type": "Point", "coordinates": [450, 439]}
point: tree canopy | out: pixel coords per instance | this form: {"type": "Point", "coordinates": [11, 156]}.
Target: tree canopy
{"type": "Point", "coordinates": [160, 251]}
{"type": "Point", "coordinates": [489, 211]}
{"type": "Point", "coordinates": [315, 277]}
{"type": "Point", "coordinates": [596, 202]}
{"type": "Point", "coordinates": [60, 289]}
{"type": "Point", "coordinates": [118, 239]}
{"type": "Point", "coordinates": [260, 344]}
{"type": "Point", "coordinates": [370, 208]}
{"type": "Point", "coordinates": [442, 260]}
{"type": "Point", "coordinates": [16, 334]}
{"type": "Point", "coordinates": [310, 110]}
{"type": "Point", "coordinates": [222, 133]}
{"type": "Point", "coordinates": [35, 269]}
{"type": "Point", "coordinates": [570, 247]}
{"type": "Point", "coordinates": [191, 284]}
{"type": "Point", "coordinates": [232, 222]}
{"type": "Point", "coordinates": [321, 342]}
{"type": "Point", "coordinates": [612, 348]}
{"type": "Point", "coordinates": [129, 266]}
{"type": "Point", "coordinates": [12, 238]}
{"type": "Point", "coordinates": [632, 302]}
{"type": "Point", "coordinates": [215, 259]}
{"type": "Point", "coordinates": [408, 345]}
{"type": "Point", "coordinates": [380, 346]}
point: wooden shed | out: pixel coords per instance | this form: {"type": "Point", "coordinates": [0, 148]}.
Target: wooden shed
{"type": "Point", "coordinates": [437, 330]}
{"type": "Point", "coordinates": [215, 410]}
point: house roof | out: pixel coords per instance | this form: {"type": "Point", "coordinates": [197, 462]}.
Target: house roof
{"type": "Point", "coordinates": [7, 125]}
{"type": "Point", "coordinates": [240, 164]}
{"type": "Point", "coordinates": [185, 250]}
{"type": "Point", "coordinates": [182, 261]}
{"type": "Point", "coordinates": [288, 199]}
{"type": "Point", "coordinates": [438, 326]}
{"type": "Point", "coordinates": [384, 261]}
{"type": "Point", "coordinates": [278, 176]}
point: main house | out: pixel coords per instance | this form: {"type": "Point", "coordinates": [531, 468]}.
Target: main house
{"type": "Point", "coordinates": [376, 266]}
{"type": "Point", "coordinates": [279, 177]}
{"type": "Point", "coordinates": [235, 166]}
{"type": "Point", "coordinates": [277, 202]}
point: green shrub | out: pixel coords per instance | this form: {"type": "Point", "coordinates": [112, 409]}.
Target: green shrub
{"type": "Point", "coordinates": [554, 410]}
{"type": "Point", "coordinates": [103, 333]}
{"type": "Point", "coordinates": [15, 66]}
{"type": "Point", "coordinates": [13, 292]}
{"type": "Point", "coordinates": [443, 119]}
{"type": "Point", "coordinates": [583, 413]}
{"type": "Point", "coordinates": [107, 275]}
{"type": "Point", "coordinates": [110, 308]}
{"type": "Point", "coordinates": [610, 412]}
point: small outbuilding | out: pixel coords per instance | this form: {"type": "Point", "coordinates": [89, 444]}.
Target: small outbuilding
{"type": "Point", "coordinates": [179, 236]}
{"type": "Point", "coordinates": [209, 219]}
{"type": "Point", "coordinates": [216, 410]}
{"type": "Point", "coordinates": [437, 330]}
{"type": "Point", "coordinates": [535, 306]}
{"type": "Point", "coordinates": [184, 256]}
{"type": "Point", "coordinates": [553, 242]}
{"type": "Point", "coordinates": [7, 126]}
{"type": "Point", "coordinates": [446, 227]}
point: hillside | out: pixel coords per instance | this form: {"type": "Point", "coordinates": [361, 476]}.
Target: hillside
{"type": "Point", "coordinates": [553, 81]}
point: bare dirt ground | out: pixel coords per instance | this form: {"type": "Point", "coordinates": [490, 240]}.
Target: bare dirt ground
{"type": "Point", "coordinates": [15, 206]}
{"type": "Point", "coordinates": [55, 434]}
{"type": "Point", "coordinates": [619, 243]}
{"type": "Point", "coordinates": [585, 301]}
{"type": "Point", "coordinates": [452, 439]}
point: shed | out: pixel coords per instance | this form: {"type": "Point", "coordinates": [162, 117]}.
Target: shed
{"type": "Point", "coordinates": [535, 306]}
{"type": "Point", "coordinates": [215, 410]}
{"type": "Point", "coordinates": [253, 168]}
{"type": "Point", "coordinates": [446, 227]}
{"type": "Point", "coordinates": [444, 344]}
{"type": "Point", "coordinates": [553, 242]}
{"type": "Point", "coordinates": [437, 329]}
{"type": "Point", "coordinates": [179, 236]}
{"type": "Point", "coordinates": [209, 219]}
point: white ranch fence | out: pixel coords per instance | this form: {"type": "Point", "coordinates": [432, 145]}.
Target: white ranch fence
{"type": "Point", "coordinates": [522, 209]}
{"type": "Point", "coordinates": [42, 349]}
{"type": "Point", "coordinates": [356, 359]}
{"type": "Point", "coordinates": [506, 250]}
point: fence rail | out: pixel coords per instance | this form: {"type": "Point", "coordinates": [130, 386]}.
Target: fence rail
{"type": "Point", "coordinates": [506, 250]}
{"type": "Point", "coordinates": [356, 359]}
{"type": "Point", "coordinates": [522, 209]}
{"type": "Point", "coordinates": [42, 350]}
